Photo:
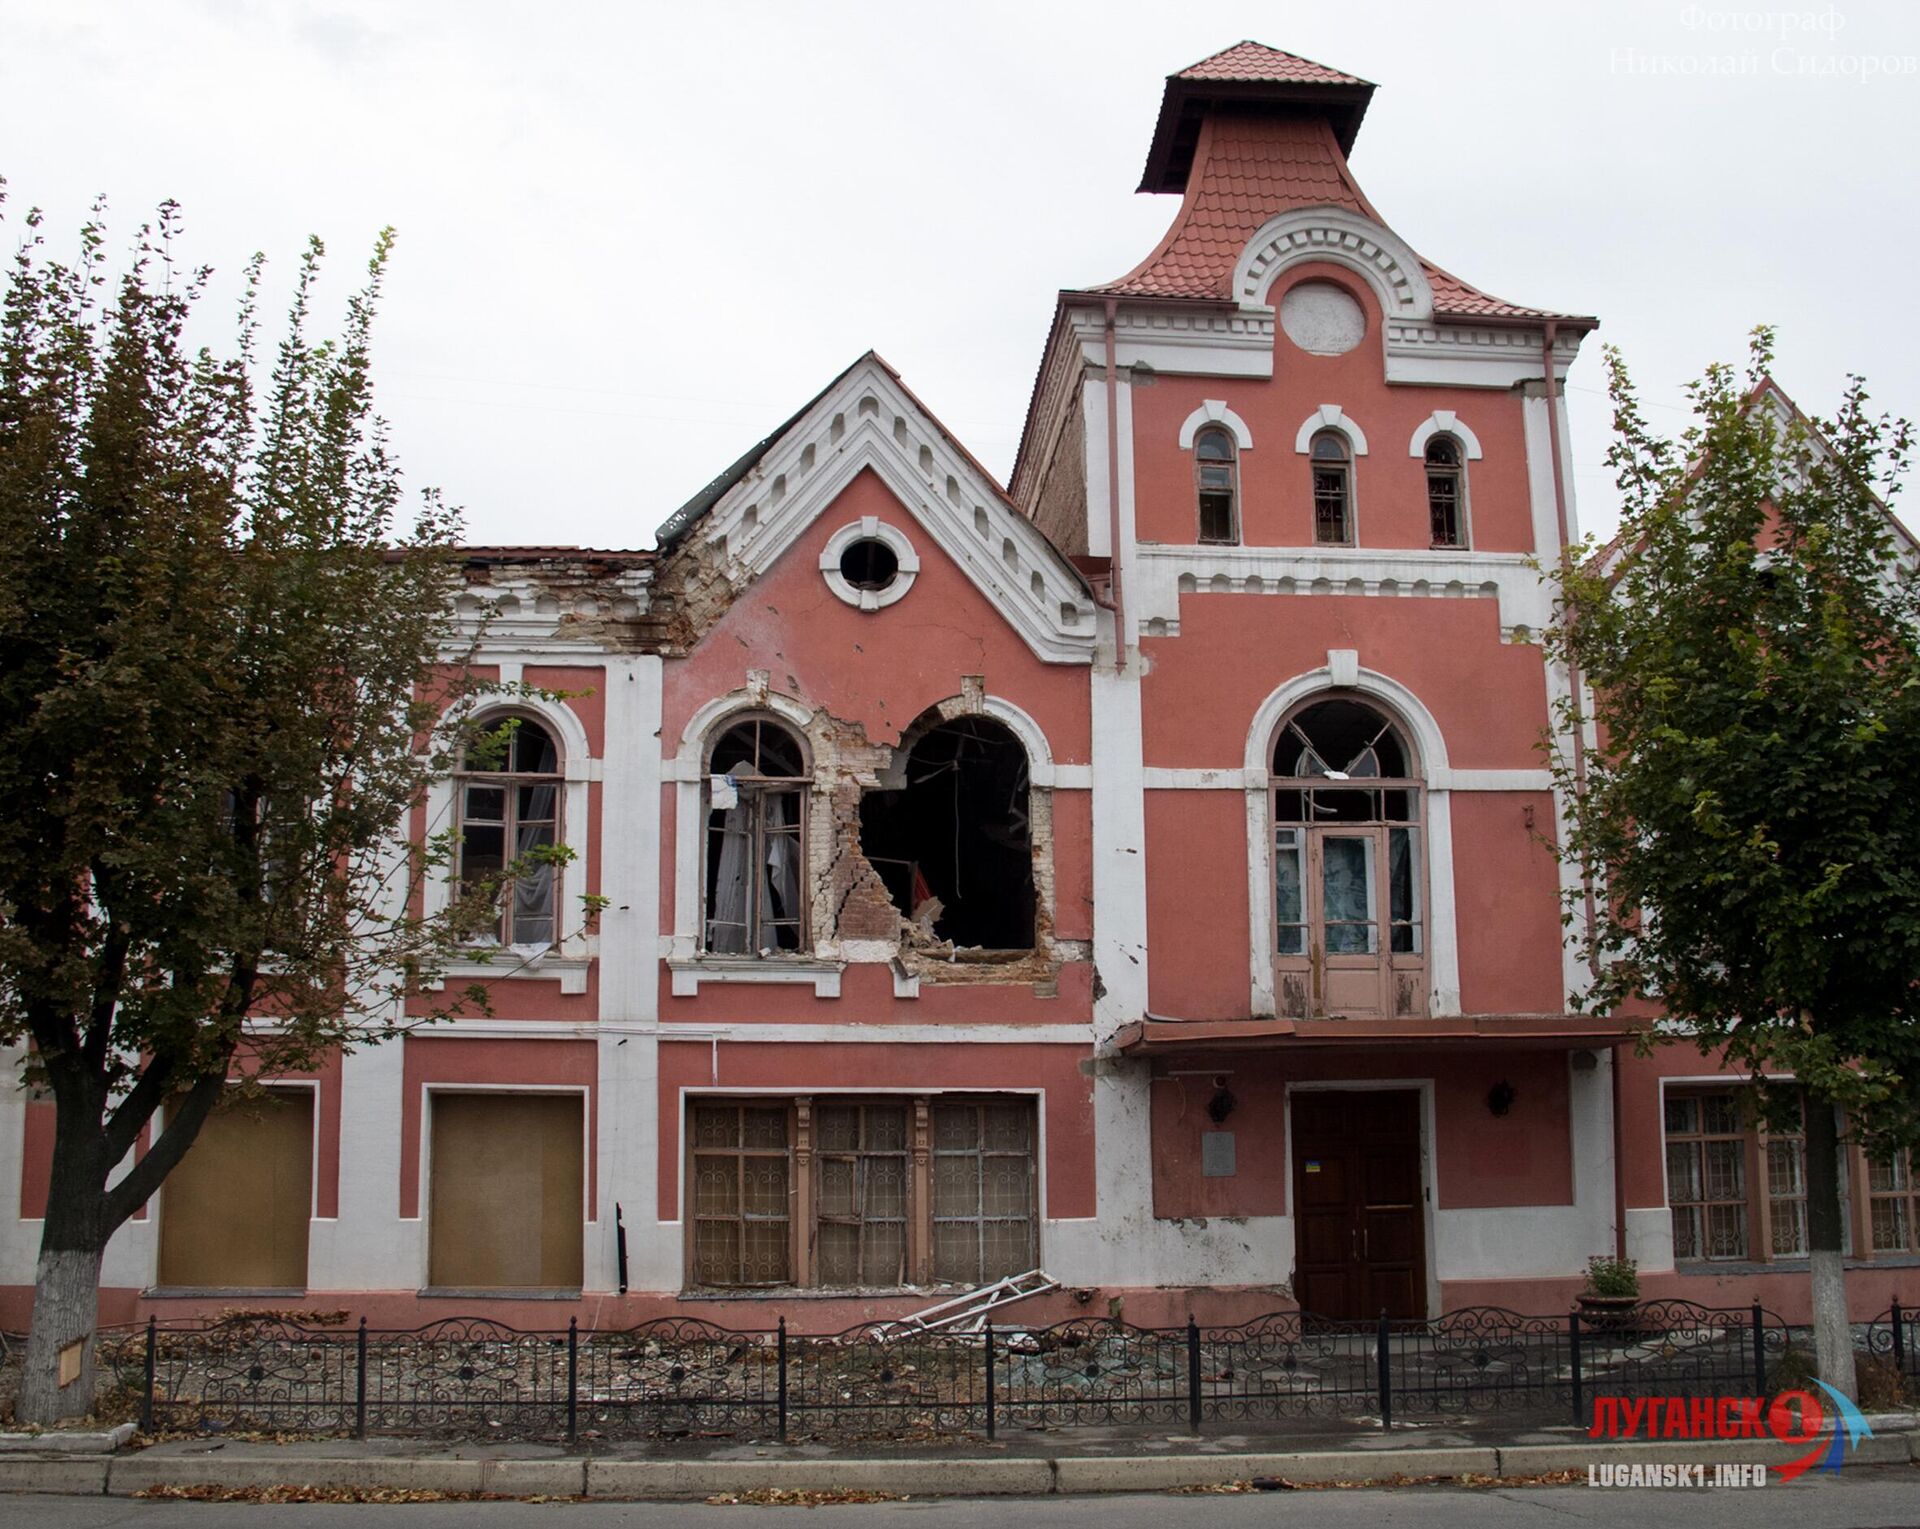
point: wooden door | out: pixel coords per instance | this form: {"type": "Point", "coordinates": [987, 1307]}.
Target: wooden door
{"type": "Point", "coordinates": [1358, 1204]}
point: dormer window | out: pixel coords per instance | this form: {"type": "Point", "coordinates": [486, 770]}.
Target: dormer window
{"type": "Point", "coordinates": [1216, 474]}
{"type": "Point", "coordinates": [1447, 491]}
{"type": "Point", "coordinates": [1332, 489]}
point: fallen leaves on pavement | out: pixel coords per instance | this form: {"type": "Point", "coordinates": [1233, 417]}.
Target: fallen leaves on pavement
{"type": "Point", "coordinates": [785, 1498]}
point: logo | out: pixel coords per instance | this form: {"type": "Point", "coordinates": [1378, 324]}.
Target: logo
{"type": "Point", "coordinates": [1795, 1418]}
{"type": "Point", "coordinates": [1847, 1429]}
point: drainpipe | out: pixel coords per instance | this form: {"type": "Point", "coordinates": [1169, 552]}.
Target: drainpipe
{"type": "Point", "coordinates": [1114, 581]}
{"type": "Point", "coordinates": [1579, 776]}
{"type": "Point", "coordinates": [1573, 669]}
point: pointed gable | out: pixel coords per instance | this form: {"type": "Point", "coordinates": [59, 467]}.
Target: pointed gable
{"type": "Point", "coordinates": [865, 420]}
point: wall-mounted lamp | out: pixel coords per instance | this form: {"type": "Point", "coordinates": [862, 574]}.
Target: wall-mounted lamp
{"type": "Point", "coordinates": [1500, 1097]}
{"type": "Point", "coordinates": [1220, 1105]}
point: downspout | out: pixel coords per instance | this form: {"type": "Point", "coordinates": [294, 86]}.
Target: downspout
{"type": "Point", "coordinates": [1116, 595]}
{"type": "Point", "coordinates": [1579, 777]}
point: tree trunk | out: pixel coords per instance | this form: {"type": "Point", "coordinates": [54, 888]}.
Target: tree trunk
{"type": "Point", "coordinates": [66, 1281]}
{"type": "Point", "coordinates": [1832, 1331]}
{"type": "Point", "coordinates": [66, 1309]}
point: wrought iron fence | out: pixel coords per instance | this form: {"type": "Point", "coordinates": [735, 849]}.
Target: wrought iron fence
{"type": "Point", "coordinates": [678, 1377]}
{"type": "Point", "coordinates": [1894, 1335]}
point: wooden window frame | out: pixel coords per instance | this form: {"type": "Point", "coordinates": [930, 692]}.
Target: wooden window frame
{"type": "Point", "coordinates": [741, 1154]}
{"type": "Point", "coordinates": [1445, 473]}
{"type": "Point", "coordinates": [803, 1149]}
{"type": "Point", "coordinates": [1310, 962]}
{"type": "Point", "coordinates": [1339, 473]}
{"type": "Point", "coordinates": [509, 783]}
{"type": "Point", "coordinates": [761, 790]}
{"type": "Point", "coordinates": [1863, 1202]}
{"type": "Point", "coordinates": [1204, 491]}
{"type": "Point", "coordinates": [1757, 1199]}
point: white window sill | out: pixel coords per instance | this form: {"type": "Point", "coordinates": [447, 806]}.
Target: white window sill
{"type": "Point", "coordinates": [824, 976]}
{"type": "Point", "coordinates": [520, 965]}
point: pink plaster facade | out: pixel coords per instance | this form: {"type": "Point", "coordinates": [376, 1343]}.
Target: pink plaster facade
{"type": "Point", "coordinates": [1135, 1091]}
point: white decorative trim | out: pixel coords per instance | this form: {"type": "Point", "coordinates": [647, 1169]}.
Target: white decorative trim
{"type": "Point", "coordinates": [868, 422]}
{"type": "Point", "coordinates": [1215, 412]}
{"type": "Point", "coordinates": [1443, 422]}
{"type": "Point", "coordinates": [1041, 770]}
{"type": "Point", "coordinates": [518, 962]}
{"type": "Point", "coordinates": [822, 976]}
{"type": "Point", "coordinates": [1368, 249]}
{"type": "Point", "coordinates": [1443, 941]}
{"type": "Point", "coordinates": [572, 944]}
{"type": "Point", "coordinates": [687, 771]}
{"type": "Point", "coordinates": [1329, 416]}
{"type": "Point", "coordinates": [869, 528]}
{"type": "Point", "coordinates": [1163, 778]}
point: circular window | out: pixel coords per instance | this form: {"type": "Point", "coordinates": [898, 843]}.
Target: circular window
{"type": "Point", "coordinates": [869, 564]}
{"type": "Point", "coordinates": [1322, 319]}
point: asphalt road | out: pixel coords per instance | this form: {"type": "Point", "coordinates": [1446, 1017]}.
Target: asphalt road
{"type": "Point", "coordinates": [1861, 1498]}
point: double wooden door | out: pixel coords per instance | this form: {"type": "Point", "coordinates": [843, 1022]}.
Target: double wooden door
{"type": "Point", "coordinates": [1359, 1214]}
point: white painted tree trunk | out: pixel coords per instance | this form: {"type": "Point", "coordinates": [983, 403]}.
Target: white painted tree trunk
{"type": "Point", "coordinates": [1832, 1332]}
{"type": "Point", "coordinates": [66, 1305]}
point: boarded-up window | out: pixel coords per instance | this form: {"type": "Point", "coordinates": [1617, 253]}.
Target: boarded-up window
{"type": "Point", "coordinates": [741, 1220]}
{"type": "Point", "coordinates": [234, 1212]}
{"type": "Point", "coordinates": [982, 1191]}
{"type": "Point", "coordinates": [507, 1206]}
{"type": "Point", "coordinates": [860, 1175]}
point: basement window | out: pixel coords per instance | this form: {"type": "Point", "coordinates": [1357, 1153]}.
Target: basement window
{"type": "Point", "coordinates": [954, 845]}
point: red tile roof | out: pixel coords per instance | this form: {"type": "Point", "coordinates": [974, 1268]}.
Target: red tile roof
{"type": "Point", "coordinates": [1256, 62]}
{"type": "Point", "coordinates": [1246, 170]}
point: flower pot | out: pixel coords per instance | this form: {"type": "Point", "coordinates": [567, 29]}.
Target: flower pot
{"type": "Point", "coordinates": [1608, 1313]}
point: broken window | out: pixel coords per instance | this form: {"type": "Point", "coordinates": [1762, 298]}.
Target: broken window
{"type": "Point", "coordinates": [869, 1220]}
{"type": "Point", "coordinates": [1332, 489]}
{"type": "Point", "coordinates": [1349, 883]}
{"type": "Point", "coordinates": [756, 841]}
{"type": "Point", "coordinates": [1216, 475]}
{"type": "Point", "coordinates": [954, 845]}
{"type": "Point", "coordinates": [509, 793]}
{"type": "Point", "coordinates": [1446, 492]}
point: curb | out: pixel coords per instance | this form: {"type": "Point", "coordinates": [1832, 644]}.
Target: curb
{"type": "Point", "coordinates": [970, 1477]}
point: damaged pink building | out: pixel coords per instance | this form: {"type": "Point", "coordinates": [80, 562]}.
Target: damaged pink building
{"type": "Point", "coordinates": [1135, 874]}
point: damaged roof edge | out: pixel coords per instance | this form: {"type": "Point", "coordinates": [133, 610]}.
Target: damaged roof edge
{"type": "Point", "coordinates": [675, 529]}
{"type": "Point", "coordinates": [682, 520]}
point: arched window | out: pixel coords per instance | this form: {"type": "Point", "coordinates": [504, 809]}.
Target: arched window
{"type": "Point", "coordinates": [756, 841]}
{"type": "Point", "coordinates": [1216, 475]}
{"type": "Point", "coordinates": [1348, 865]}
{"type": "Point", "coordinates": [1447, 491]}
{"type": "Point", "coordinates": [509, 810]}
{"type": "Point", "coordinates": [954, 845]}
{"type": "Point", "coordinates": [1332, 489]}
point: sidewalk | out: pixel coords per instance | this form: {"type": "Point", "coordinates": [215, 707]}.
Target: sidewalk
{"type": "Point", "coordinates": [1029, 1464]}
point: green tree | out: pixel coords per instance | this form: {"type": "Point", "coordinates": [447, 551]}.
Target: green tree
{"type": "Point", "coordinates": [221, 670]}
{"type": "Point", "coordinates": [1748, 816]}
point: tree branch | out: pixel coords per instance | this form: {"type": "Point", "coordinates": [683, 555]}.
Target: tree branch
{"type": "Point", "coordinates": [132, 1192]}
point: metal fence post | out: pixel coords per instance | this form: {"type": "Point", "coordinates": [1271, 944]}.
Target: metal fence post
{"type": "Point", "coordinates": [780, 1391]}
{"type": "Point", "coordinates": [573, 1380]}
{"type": "Point", "coordinates": [1899, 1339]}
{"type": "Point", "coordinates": [360, 1383]}
{"type": "Point", "coordinates": [1759, 1351]}
{"type": "Point", "coordinates": [989, 1348]}
{"type": "Point", "coordinates": [146, 1399]}
{"type": "Point", "coordinates": [1383, 1361]}
{"type": "Point", "coordinates": [1193, 1374]}
{"type": "Point", "coordinates": [1573, 1364]}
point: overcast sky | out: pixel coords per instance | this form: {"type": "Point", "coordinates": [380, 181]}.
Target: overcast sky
{"type": "Point", "coordinates": [634, 237]}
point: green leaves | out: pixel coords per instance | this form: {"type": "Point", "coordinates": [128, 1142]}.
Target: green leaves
{"type": "Point", "coordinates": [1748, 817]}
